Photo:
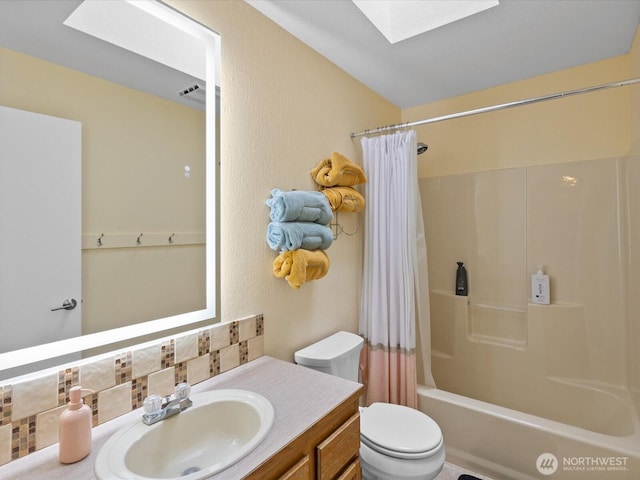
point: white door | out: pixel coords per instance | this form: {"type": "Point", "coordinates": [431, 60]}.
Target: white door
{"type": "Point", "coordinates": [40, 232]}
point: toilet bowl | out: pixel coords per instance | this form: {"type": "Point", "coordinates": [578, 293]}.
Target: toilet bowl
{"type": "Point", "coordinates": [396, 442]}
{"type": "Point", "coordinates": [399, 442]}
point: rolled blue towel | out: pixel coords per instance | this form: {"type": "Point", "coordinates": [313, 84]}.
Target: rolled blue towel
{"type": "Point", "coordinates": [299, 206]}
{"type": "Point", "coordinates": [294, 235]}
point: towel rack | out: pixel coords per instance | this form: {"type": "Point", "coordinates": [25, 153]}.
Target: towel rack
{"type": "Point", "coordinates": [337, 228]}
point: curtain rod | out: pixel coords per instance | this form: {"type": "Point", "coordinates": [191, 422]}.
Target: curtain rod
{"type": "Point", "coordinates": [502, 106]}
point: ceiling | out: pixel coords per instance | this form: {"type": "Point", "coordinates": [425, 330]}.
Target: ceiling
{"type": "Point", "coordinates": [35, 27]}
{"type": "Point", "coordinates": [516, 40]}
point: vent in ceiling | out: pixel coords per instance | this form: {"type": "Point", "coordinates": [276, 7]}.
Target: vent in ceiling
{"type": "Point", "coordinates": [195, 92]}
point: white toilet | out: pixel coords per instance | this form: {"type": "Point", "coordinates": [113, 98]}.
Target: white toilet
{"type": "Point", "coordinates": [396, 442]}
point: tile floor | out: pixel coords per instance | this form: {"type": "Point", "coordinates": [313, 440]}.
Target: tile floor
{"type": "Point", "coordinates": [452, 472]}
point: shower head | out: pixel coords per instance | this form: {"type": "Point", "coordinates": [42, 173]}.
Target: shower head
{"type": "Point", "coordinates": [422, 147]}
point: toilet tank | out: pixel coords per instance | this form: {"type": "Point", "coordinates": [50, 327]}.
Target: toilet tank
{"type": "Point", "coordinates": [337, 355]}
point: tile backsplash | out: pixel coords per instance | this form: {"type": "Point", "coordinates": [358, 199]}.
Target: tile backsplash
{"type": "Point", "coordinates": [30, 408]}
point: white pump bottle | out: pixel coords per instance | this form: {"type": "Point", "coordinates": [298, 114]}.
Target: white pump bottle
{"type": "Point", "coordinates": [75, 428]}
{"type": "Point", "coordinates": [540, 292]}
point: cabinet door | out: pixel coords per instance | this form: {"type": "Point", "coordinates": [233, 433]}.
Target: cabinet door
{"type": "Point", "coordinates": [300, 471]}
{"type": "Point", "coordinates": [353, 472]}
{"type": "Point", "coordinates": [337, 451]}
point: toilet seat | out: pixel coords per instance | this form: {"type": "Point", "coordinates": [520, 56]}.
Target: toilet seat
{"type": "Point", "coordinates": [399, 431]}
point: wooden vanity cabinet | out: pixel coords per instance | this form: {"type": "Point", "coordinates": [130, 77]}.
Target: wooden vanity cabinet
{"type": "Point", "coordinates": [329, 450]}
{"type": "Point", "coordinates": [339, 450]}
{"type": "Point", "coordinates": [303, 470]}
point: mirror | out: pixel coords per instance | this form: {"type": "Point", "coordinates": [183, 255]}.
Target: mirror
{"type": "Point", "coordinates": [148, 177]}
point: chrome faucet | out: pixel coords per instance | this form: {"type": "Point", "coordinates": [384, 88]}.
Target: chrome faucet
{"type": "Point", "coordinates": [157, 408]}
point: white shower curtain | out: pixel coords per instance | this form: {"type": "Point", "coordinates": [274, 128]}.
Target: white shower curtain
{"type": "Point", "coordinates": [395, 291]}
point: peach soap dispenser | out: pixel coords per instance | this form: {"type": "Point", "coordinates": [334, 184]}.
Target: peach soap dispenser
{"type": "Point", "coordinates": [75, 428]}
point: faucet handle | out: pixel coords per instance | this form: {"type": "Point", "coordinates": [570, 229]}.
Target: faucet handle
{"type": "Point", "coordinates": [152, 405]}
{"type": "Point", "coordinates": [182, 391]}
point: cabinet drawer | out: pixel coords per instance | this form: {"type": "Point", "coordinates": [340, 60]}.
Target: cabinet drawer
{"type": "Point", "coordinates": [339, 449]}
{"type": "Point", "coordinates": [353, 472]}
{"type": "Point", "coordinates": [300, 471]}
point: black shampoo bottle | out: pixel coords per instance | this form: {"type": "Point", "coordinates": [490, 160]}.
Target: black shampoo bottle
{"type": "Point", "coordinates": [462, 286]}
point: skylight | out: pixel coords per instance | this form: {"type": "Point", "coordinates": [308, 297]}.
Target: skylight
{"type": "Point", "coordinates": [398, 20]}
{"type": "Point", "coordinates": [131, 26]}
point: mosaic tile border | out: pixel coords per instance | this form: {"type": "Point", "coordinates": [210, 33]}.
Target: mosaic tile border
{"type": "Point", "coordinates": [124, 367]}
{"type": "Point", "coordinates": [168, 350]}
{"type": "Point", "coordinates": [6, 405]}
{"type": "Point", "coordinates": [246, 342]}
{"type": "Point", "coordinates": [67, 378]}
{"type": "Point", "coordinates": [23, 437]}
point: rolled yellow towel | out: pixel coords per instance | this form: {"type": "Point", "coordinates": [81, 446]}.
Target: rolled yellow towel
{"type": "Point", "coordinates": [299, 266]}
{"type": "Point", "coordinates": [338, 171]}
{"type": "Point", "coordinates": [344, 199]}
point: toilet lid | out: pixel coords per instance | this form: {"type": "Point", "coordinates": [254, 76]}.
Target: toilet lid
{"type": "Point", "coordinates": [399, 431]}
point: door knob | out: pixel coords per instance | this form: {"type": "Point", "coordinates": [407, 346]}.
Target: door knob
{"type": "Point", "coordinates": [68, 304]}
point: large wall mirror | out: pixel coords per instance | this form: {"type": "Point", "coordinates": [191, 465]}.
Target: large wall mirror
{"type": "Point", "coordinates": [137, 81]}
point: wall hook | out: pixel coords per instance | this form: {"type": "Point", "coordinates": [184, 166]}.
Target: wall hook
{"type": "Point", "coordinates": [139, 239]}
{"type": "Point", "coordinates": [100, 239]}
{"type": "Point", "coordinates": [171, 238]}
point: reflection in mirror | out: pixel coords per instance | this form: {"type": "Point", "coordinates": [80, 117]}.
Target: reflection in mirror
{"type": "Point", "coordinates": [148, 159]}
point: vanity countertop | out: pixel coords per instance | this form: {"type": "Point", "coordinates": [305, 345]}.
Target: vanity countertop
{"type": "Point", "coordinates": [300, 397]}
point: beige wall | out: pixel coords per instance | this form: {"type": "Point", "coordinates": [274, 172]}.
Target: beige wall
{"type": "Point", "coordinates": [589, 126]}
{"type": "Point", "coordinates": [134, 145]}
{"type": "Point", "coordinates": [134, 148]}
{"type": "Point", "coordinates": [634, 55]}
{"type": "Point", "coordinates": [284, 108]}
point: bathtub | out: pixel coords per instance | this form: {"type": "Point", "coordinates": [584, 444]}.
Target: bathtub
{"type": "Point", "coordinates": [507, 444]}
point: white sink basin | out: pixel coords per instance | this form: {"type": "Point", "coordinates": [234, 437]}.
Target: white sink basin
{"type": "Point", "coordinates": [220, 428]}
